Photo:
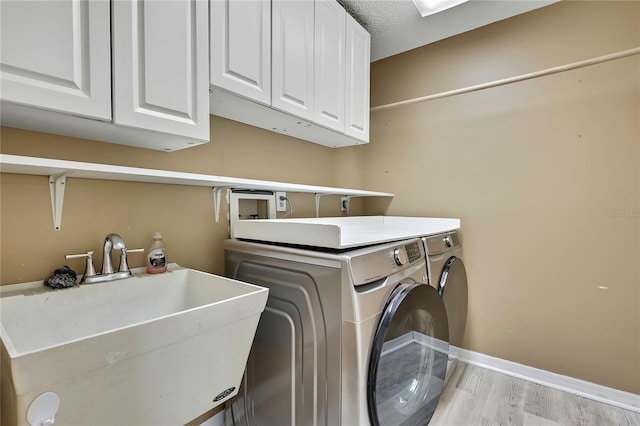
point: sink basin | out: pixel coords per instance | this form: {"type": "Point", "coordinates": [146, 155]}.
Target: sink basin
{"type": "Point", "coordinates": [152, 349]}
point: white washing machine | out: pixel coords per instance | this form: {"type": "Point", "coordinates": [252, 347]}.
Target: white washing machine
{"type": "Point", "coordinates": [448, 276]}
{"type": "Point", "coordinates": [349, 337]}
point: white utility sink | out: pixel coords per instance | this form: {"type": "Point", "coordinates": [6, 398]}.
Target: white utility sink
{"type": "Point", "coordinates": [152, 349]}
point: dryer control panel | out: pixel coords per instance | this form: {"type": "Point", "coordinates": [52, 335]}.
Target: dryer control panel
{"type": "Point", "coordinates": [378, 262]}
{"type": "Point", "coordinates": [440, 243]}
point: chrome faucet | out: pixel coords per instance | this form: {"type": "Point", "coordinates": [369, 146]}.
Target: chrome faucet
{"type": "Point", "coordinates": [111, 242]}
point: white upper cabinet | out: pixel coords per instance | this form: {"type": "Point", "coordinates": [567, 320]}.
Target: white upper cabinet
{"type": "Point", "coordinates": [330, 72]}
{"type": "Point", "coordinates": [358, 63]}
{"type": "Point", "coordinates": [161, 72]}
{"type": "Point", "coordinates": [292, 57]}
{"type": "Point", "coordinates": [56, 55]}
{"type": "Point", "coordinates": [241, 47]}
{"type": "Point", "coordinates": [319, 66]}
{"type": "Point", "coordinates": [132, 72]}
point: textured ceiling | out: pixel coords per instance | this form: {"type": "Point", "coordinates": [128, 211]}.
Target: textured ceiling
{"type": "Point", "coordinates": [396, 26]}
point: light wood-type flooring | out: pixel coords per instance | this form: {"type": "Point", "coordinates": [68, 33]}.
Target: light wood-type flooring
{"type": "Point", "coordinates": [475, 396]}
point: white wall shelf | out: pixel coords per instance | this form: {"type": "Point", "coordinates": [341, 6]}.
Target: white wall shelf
{"type": "Point", "coordinates": [75, 169]}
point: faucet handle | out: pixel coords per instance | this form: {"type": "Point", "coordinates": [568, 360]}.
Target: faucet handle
{"type": "Point", "coordinates": [124, 267]}
{"type": "Point", "coordinates": [89, 270]}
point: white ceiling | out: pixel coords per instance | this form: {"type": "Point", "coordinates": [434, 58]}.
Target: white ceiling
{"type": "Point", "coordinates": [396, 26]}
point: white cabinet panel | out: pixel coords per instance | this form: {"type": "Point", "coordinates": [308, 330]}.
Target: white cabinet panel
{"type": "Point", "coordinates": [319, 69]}
{"type": "Point", "coordinates": [358, 59]}
{"type": "Point", "coordinates": [241, 47]}
{"type": "Point", "coordinates": [329, 93]}
{"type": "Point", "coordinates": [161, 66]}
{"type": "Point", "coordinates": [292, 57]}
{"type": "Point", "coordinates": [55, 56]}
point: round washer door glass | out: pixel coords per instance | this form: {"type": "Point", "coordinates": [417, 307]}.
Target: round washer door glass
{"type": "Point", "coordinates": [409, 357]}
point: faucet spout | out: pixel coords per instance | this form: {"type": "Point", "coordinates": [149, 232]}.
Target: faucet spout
{"type": "Point", "coordinates": [111, 242]}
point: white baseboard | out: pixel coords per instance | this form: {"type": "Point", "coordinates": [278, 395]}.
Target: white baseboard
{"type": "Point", "coordinates": [607, 395]}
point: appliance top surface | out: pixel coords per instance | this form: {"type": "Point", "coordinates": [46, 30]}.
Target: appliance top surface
{"type": "Point", "coordinates": [342, 232]}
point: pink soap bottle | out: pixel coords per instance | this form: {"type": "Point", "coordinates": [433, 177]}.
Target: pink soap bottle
{"type": "Point", "coordinates": [156, 256]}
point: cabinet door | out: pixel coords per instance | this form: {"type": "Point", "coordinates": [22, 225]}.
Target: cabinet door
{"type": "Point", "coordinates": [241, 47]}
{"type": "Point", "coordinates": [56, 56]}
{"type": "Point", "coordinates": [329, 93]}
{"type": "Point", "coordinates": [292, 57]}
{"type": "Point", "coordinates": [161, 59]}
{"type": "Point", "coordinates": [358, 63]}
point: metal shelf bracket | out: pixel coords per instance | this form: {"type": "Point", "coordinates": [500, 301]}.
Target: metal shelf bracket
{"type": "Point", "coordinates": [56, 188]}
{"type": "Point", "coordinates": [217, 193]}
{"type": "Point", "coordinates": [318, 196]}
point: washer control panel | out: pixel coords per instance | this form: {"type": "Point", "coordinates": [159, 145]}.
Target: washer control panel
{"type": "Point", "coordinates": [378, 262]}
{"type": "Point", "coordinates": [414, 251]}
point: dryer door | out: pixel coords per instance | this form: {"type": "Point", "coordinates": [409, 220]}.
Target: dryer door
{"type": "Point", "coordinates": [409, 357]}
{"type": "Point", "coordinates": [453, 289]}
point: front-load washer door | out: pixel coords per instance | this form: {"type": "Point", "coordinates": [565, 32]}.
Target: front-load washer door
{"type": "Point", "coordinates": [453, 290]}
{"type": "Point", "coordinates": [408, 361]}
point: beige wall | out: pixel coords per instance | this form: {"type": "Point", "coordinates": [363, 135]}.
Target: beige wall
{"type": "Point", "coordinates": [535, 171]}
{"type": "Point", "coordinates": [31, 249]}
{"type": "Point", "coordinates": [538, 172]}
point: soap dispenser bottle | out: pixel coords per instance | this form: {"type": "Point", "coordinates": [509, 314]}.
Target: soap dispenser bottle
{"type": "Point", "coordinates": [156, 256]}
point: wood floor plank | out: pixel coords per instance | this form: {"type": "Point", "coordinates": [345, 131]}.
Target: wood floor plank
{"type": "Point", "coordinates": [463, 400]}
{"type": "Point", "coordinates": [533, 420]}
{"type": "Point", "coordinates": [451, 399]}
{"type": "Point", "coordinates": [450, 389]}
{"type": "Point", "coordinates": [603, 414]}
{"type": "Point", "coordinates": [506, 398]}
{"type": "Point", "coordinates": [631, 418]}
{"type": "Point", "coordinates": [478, 384]}
{"type": "Point", "coordinates": [589, 412]}
{"type": "Point", "coordinates": [453, 410]}
{"type": "Point", "coordinates": [538, 402]}
{"type": "Point", "coordinates": [552, 404]}
{"type": "Point", "coordinates": [471, 379]}
{"type": "Point", "coordinates": [479, 397]}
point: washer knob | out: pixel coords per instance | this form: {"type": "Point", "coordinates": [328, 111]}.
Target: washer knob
{"type": "Point", "coordinates": [400, 256]}
{"type": "Point", "coordinates": [448, 242]}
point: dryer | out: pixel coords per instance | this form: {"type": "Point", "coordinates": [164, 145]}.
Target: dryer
{"type": "Point", "coordinates": [348, 337]}
{"type": "Point", "coordinates": [447, 274]}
